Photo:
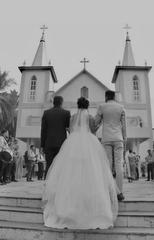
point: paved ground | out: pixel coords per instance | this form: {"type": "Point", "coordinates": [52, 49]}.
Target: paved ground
{"type": "Point", "coordinates": [138, 190]}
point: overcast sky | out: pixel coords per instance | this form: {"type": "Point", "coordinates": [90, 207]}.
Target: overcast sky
{"type": "Point", "coordinates": [76, 29]}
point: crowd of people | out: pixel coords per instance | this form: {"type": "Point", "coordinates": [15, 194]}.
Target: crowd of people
{"type": "Point", "coordinates": [34, 164]}
{"type": "Point", "coordinates": [14, 166]}
{"type": "Point", "coordinates": [134, 168]}
{"type": "Point", "coordinates": [10, 160]}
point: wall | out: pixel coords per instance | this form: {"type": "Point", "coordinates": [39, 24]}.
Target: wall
{"type": "Point", "coordinates": [72, 92]}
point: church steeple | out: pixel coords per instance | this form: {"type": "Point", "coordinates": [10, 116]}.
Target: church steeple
{"type": "Point", "coordinates": [128, 57]}
{"type": "Point", "coordinates": [40, 58]}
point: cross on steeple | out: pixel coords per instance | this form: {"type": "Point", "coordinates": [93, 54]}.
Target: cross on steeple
{"type": "Point", "coordinates": [84, 61]}
{"type": "Point", "coordinates": [127, 27]}
{"type": "Point", "coordinates": [43, 28]}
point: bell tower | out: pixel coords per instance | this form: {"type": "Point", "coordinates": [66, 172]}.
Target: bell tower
{"type": "Point", "coordinates": [132, 84]}
{"type": "Point", "coordinates": [34, 91]}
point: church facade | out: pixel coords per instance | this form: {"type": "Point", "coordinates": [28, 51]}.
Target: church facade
{"type": "Point", "coordinates": [131, 86]}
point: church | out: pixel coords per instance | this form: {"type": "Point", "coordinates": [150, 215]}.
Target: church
{"type": "Point", "coordinates": [131, 84]}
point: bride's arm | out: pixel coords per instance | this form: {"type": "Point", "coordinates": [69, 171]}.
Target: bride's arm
{"type": "Point", "coordinates": [71, 123]}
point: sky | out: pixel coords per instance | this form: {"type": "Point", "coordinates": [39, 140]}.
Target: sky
{"type": "Point", "coordinates": [76, 29]}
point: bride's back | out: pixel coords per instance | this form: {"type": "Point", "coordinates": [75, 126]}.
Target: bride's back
{"type": "Point", "coordinates": [80, 121]}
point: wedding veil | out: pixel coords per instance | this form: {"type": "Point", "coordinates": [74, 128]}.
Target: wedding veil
{"type": "Point", "coordinates": [80, 121]}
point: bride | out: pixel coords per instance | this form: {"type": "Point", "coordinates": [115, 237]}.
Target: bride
{"type": "Point", "coordinates": [80, 191]}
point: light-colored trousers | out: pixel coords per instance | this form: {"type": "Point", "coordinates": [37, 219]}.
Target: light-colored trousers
{"type": "Point", "coordinates": [115, 151]}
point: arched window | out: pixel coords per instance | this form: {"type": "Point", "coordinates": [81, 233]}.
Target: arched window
{"type": "Point", "coordinates": [84, 92]}
{"type": "Point", "coordinates": [33, 88]}
{"type": "Point", "coordinates": [136, 88]}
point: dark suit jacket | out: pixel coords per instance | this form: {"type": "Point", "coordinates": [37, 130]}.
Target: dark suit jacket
{"type": "Point", "coordinates": [55, 122]}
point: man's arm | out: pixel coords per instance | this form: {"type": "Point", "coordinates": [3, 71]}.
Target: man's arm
{"type": "Point", "coordinates": [68, 117]}
{"type": "Point", "coordinates": [43, 131]}
{"type": "Point", "coordinates": [98, 118]}
{"type": "Point", "coordinates": [123, 124]}
{"type": "Point", "coordinates": [92, 124]}
{"type": "Point", "coordinates": [1, 143]}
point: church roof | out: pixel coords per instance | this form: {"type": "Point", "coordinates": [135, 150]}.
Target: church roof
{"type": "Point", "coordinates": [128, 68]}
{"type": "Point", "coordinates": [128, 57]}
{"type": "Point", "coordinates": [40, 68]}
{"type": "Point", "coordinates": [40, 58]}
{"type": "Point", "coordinates": [84, 71]}
{"type": "Point", "coordinates": [128, 63]}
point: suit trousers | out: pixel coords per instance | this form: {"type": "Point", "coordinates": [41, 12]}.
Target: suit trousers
{"type": "Point", "coordinates": [40, 170]}
{"type": "Point", "coordinates": [30, 169]}
{"type": "Point", "coordinates": [3, 166]}
{"type": "Point", "coordinates": [150, 171]}
{"type": "Point", "coordinates": [49, 156]}
{"type": "Point", "coordinates": [13, 170]}
{"type": "Point", "coordinates": [114, 151]}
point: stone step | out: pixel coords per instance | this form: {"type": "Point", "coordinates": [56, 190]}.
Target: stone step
{"type": "Point", "coordinates": [135, 219]}
{"type": "Point", "coordinates": [136, 206]}
{"type": "Point", "coordinates": [20, 202]}
{"type": "Point", "coordinates": [29, 231]}
{"type": "Point", "coordinates": [18, 214]}
{"type": "Point", "coordinates": [129, 205]}
{"type": "Point", "coordinates": [34, 215]}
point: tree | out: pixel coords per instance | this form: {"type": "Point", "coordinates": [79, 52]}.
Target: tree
{"type": "Point", "coordinates": [11, 104]}
{"type": "Point", "coordinates": [13, 98]}
{"type": "Point", "coordinates": [5, 112]}
{"type": "Point", "coordinates": [8, 102]}
{"type": "Point", "coordinates": [5, 81]}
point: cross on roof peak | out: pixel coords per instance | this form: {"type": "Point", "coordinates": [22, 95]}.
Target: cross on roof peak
{"type": "Point", "coordinates": [84, 61]}
{"type": "Point", "coordinates": [127, 28]}
{"type": "Point", "coordinates": [43, 28]}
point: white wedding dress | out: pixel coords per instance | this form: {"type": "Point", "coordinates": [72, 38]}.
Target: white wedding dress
{"type": "Point", "coordinates": [80, 191]}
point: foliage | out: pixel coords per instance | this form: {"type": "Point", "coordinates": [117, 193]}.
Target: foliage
{"type": "Point", "coordinates": [5, 112]}
{"type": "Point", "coordinates": [12, 97]}
{"type": "Point", "coordinates": [5, 81]}
{"type": "Point", "coordinates": [8, 104]}
{"type": "Point", "coordinates": [11, 106]}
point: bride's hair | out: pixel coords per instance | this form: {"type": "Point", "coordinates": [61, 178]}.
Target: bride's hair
{"type": "Point", "coordinates": [83, 103]}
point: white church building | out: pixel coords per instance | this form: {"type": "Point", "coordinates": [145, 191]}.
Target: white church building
{"type": "Point", "coordinates": [131, 86]}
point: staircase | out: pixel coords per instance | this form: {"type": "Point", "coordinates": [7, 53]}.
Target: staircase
{"type": "Point", "coordinates": [21, 219]}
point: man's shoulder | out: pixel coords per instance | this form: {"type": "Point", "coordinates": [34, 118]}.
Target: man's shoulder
{"type": "Point", "coordinates": [56, 110]}
{"type": "Point", "coordinates": [118, 105]}
{"type": "Point", "coordinates": [65, 111]}
{"type": "Point", "coordinates": [48, 111]}
{"type": "Point", "coordinates": [114, 102]}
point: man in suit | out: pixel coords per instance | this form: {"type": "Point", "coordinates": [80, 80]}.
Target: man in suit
{"type": "Point", "coordinates": [112, 114]}
{"type": "Point", "coordinates": [55, 123]}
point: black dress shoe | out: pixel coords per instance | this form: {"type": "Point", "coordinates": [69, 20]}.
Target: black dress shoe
{"type": "Point", "coordinates": [7, 181]}
{"type": "Point", "coordinates": [2, 183]}
{"type": "Point", "coordinates": [120, 197]}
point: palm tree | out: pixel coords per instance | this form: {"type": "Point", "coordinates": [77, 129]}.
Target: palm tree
{"type": "Point", "coordinates": [12, 99]}
{"type": "Point", "coordinates": [5, 81]}
{"type": "Point", "coordinates": [5, 113]}
{"type": "Point", "coordinates": [6, 108]}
